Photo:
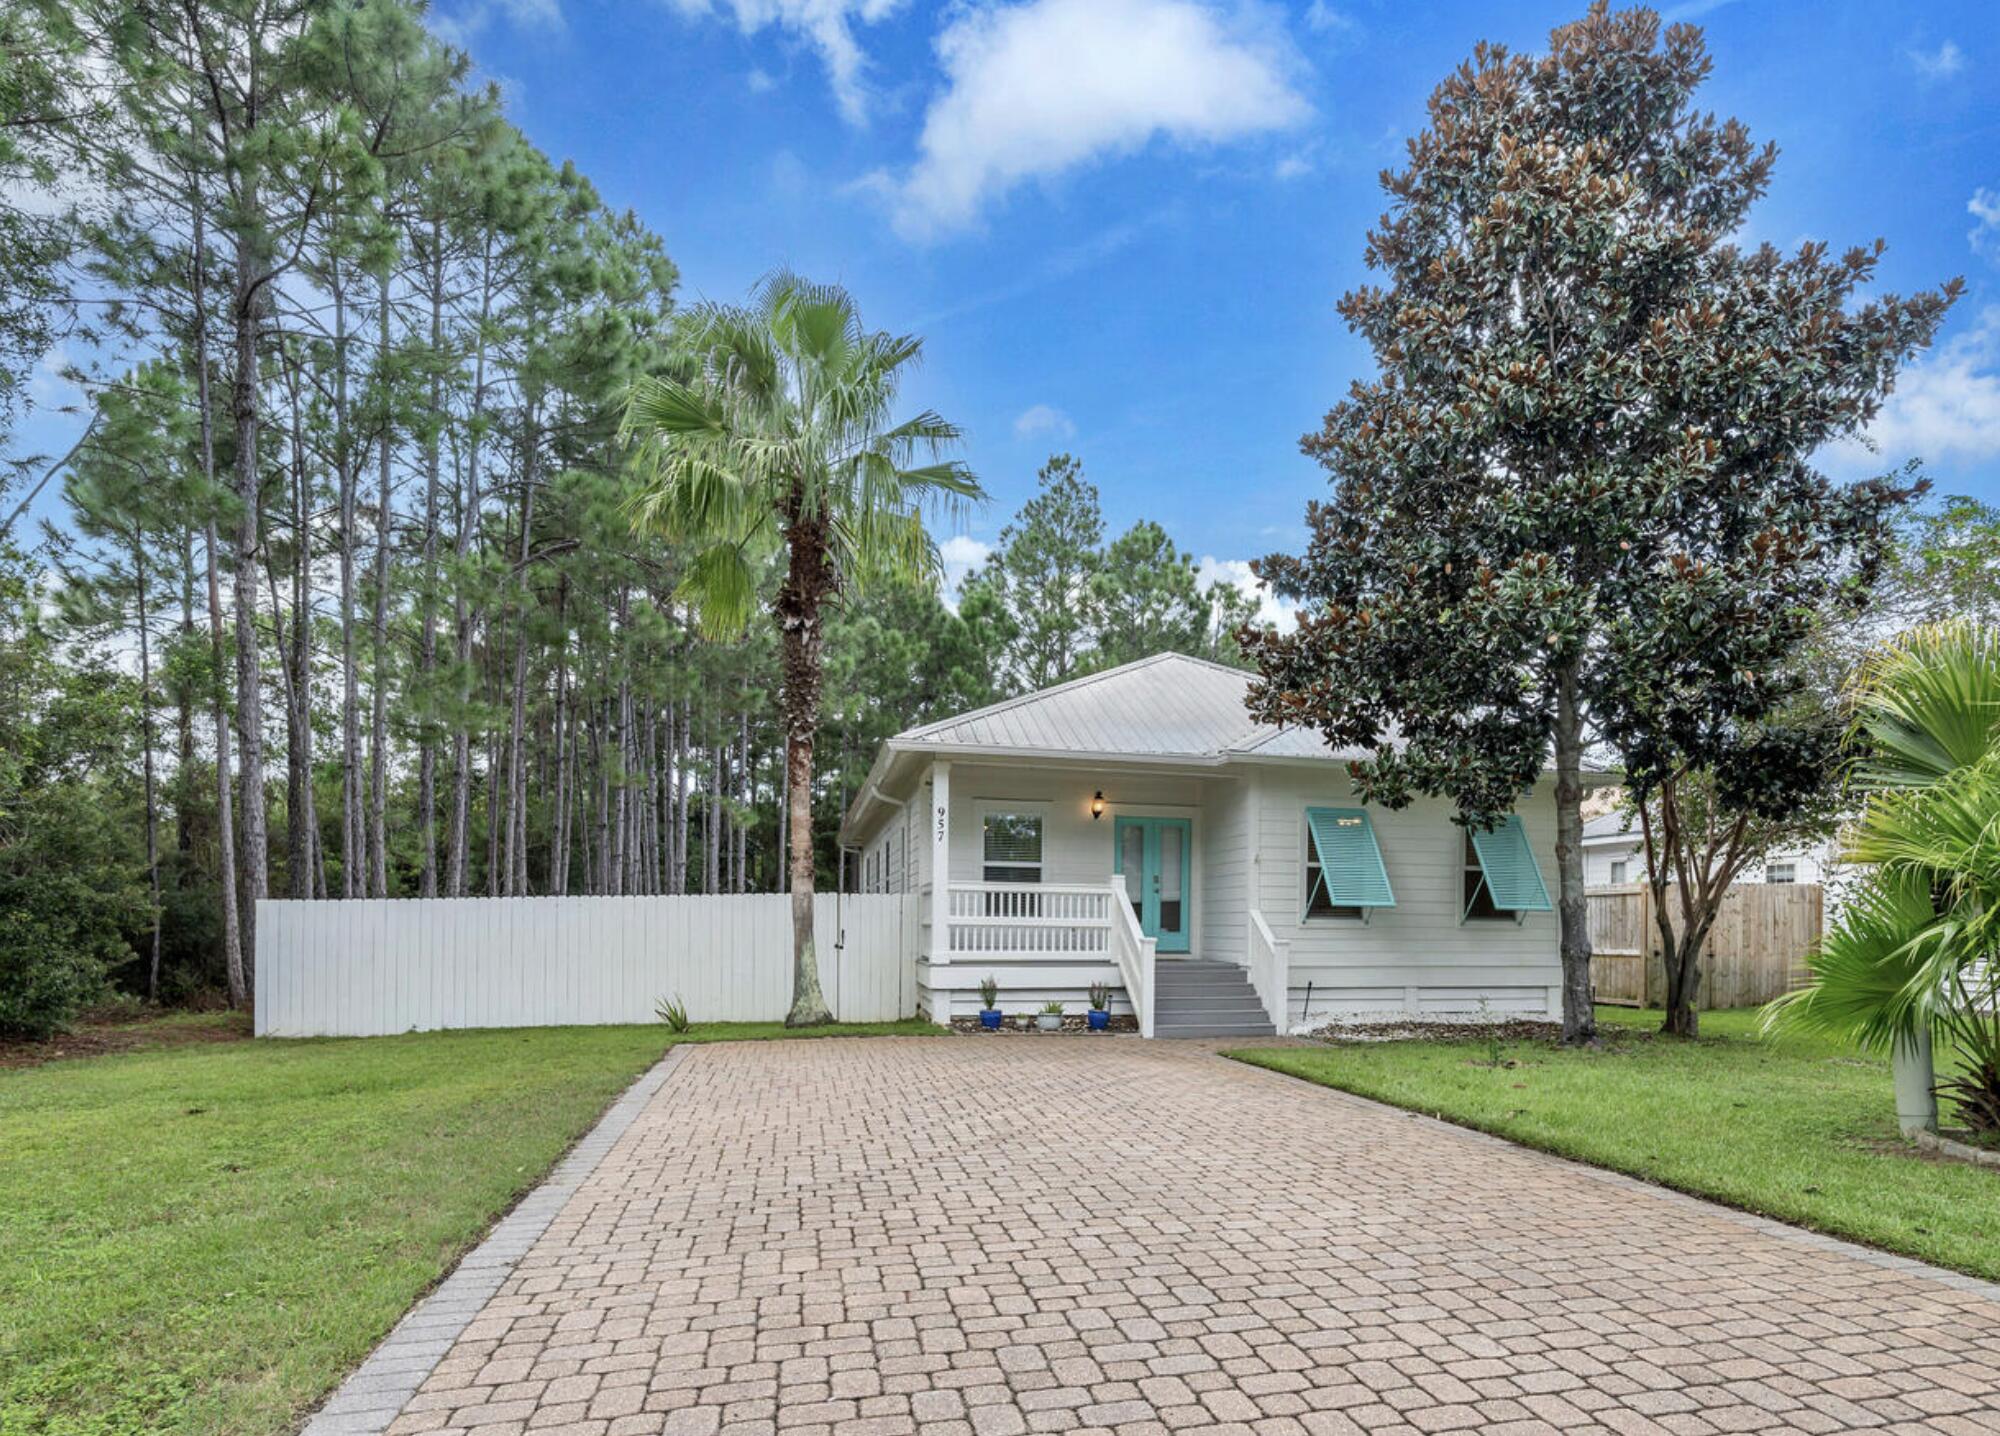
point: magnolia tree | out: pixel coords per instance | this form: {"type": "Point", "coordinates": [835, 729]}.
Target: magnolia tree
{"type": "Point", "coordinates": [1576, 504]}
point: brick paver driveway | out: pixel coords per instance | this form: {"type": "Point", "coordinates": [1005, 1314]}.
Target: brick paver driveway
{"type": "Point", "coordinates": [1065, 1234]}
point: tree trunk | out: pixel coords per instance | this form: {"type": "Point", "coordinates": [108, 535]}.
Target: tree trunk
{"type": "Point", "coordinates": [559, 834]}
{"type": "Point", "coordinates": [1578, 1019]}
{"type": "Point", "coordinates": [146, 742]}
{"type": "Point", "coordinates": [353, 837]}
{"type": "Point", "coordinates": [225, 825]}
{"type": "Point", "coordinates": [247, 311]}
{"type": "Point", "coordinates": [464, 617]}
{"type": "Point", "coordinates": [293, 668]}
{"type": "Point", "coordinates": [378, 717]}
{"type": "Point", "coordinates": [517, 778]}
{"type": "Point", "coordinates": [808, 582]}
{"type": "Point", "coordinates": [682, 731]}
{"type": "Point", "coordinates": [740, 858]}
{"type": "Point", "coordinates": [427, 873]}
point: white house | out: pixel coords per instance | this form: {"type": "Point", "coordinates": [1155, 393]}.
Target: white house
{"type": "Point", "coordinates": [1134, 827]}
{"type": "Point", "coordinates": [1614, 853]}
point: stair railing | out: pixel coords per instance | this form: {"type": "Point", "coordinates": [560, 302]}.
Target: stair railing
{"type": "Point", "coordinates": [1135, 954]}
{"type": "Point", "coordinates": [1271, 971]}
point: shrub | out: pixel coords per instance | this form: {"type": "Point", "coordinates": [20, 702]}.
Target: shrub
{"type": "Point", "coordinates": [50, 970]}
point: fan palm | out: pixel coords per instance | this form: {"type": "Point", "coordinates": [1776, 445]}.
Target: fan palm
{"type": "Point", "coordinates": [774, 441]}
{"type": "Point", "coordinates": [1911, 954]}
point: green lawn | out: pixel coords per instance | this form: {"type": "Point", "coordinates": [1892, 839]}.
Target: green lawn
{"type": "Point", "coordinates": [1795, 1128]}
{"type": "Point", "coordinates": [205, 1238]}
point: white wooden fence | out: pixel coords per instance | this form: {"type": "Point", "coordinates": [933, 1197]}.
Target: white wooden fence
{"type": "Point", "coordinates": [362, 968]}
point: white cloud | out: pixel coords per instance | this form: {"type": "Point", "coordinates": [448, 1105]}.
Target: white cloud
{"type": "Point", "coordinates": [1271, 609]}
{"type": "Point", "coordinates": [1294, 165]}
{"type": "Point", "coordinates": [1945, 408]}
{"type": "Point", "coordinates": [1984, 236]}
{"type": "Point", "coordinates": [1325, 19]}
{"type": "Point", "coordinates": [464, 23]}
{"type": "Point", "coordinates": [961, 554]}
{"type": "Point", "coordinates": [760, 81]}
{"type": "Point", "coordinates": [827, 25]}
{"type": "Point", "coordinates": [1043, 419]}
{"type": "Point", "coordinates": [1034, 90]}
{"type": "Point", "coordinates": [1939, 64]}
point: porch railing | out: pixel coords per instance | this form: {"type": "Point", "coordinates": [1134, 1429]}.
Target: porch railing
{"type": "Point", "coordinates": [1271, 971]}
{"type": "Point", "coordinates": [1029, 919]}
{"type": "Point", "coordinates": [1134, 953]}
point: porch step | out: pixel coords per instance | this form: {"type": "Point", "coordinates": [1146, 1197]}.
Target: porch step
{"type": "Point", "coordinates": [1207, 999]}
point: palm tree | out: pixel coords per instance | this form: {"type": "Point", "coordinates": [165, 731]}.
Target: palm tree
{"type": "Point", "coordinates": [1912, 953]}
{"type": "Point", "coordinates": [774, 440]}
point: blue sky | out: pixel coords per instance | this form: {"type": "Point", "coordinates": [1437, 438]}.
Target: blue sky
{"type": "Point", "coordinates": [1122, 225]}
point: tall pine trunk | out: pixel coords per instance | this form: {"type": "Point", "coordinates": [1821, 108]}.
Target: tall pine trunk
{"type": "Point", "coordinates": [225, 823]}
{"type": "Point", "coordinates": [427, 878]}
{"type": "Point", "coordinates": [353, 835]}
{"type": "Point", "coordinates": [378, 717]}
{"type": "Point", "coordinates": [463, 614]}
{"type": "Point", "coordinates": [245, 406]}
{"type": "Point", "coordinates": [146, 742]}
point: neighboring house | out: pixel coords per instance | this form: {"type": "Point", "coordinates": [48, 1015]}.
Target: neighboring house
{"type": "Point", "coordinates": [1136, 828]}
{"type": "Point", "coordinates": [1614, 853]}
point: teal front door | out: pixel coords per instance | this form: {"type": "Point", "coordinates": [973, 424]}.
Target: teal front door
{"type": "Point", "coordinates": [1154, 854]}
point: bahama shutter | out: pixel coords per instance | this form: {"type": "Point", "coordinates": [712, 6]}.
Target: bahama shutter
{"type": "Point", "coordinates": [1512, 876]}
{"type": "Point", "coordinates": [1350, 862]}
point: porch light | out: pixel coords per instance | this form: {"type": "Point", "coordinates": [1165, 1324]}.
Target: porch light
{"type": "Point", "coordinates": [1097, 805]}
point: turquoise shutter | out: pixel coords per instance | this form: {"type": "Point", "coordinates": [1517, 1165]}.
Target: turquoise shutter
{"type": "Point", "coordinates": [1350, 863]}
{"type": "Point", "coordinates": [1509, 864]}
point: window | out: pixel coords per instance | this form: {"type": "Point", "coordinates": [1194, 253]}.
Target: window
{"type": "Point", "coordinates": [1011, 847]}
{"type": "Point", "coordinates": [1500, 875]}
{"type": "Point", "coordinates": [1344, 875]}
{"type": "Point", "coordinates": [1618, 871]}
{"type": "Point", "coordinates": [1319, 902]}
{"type": "Point", "coordinates": [1478, 892]}
{"type": "Point", "coordinates": [1786, 872]}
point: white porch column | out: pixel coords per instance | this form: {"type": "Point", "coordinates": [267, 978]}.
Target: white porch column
{"type": "Point", "coordinates": [940, 825]}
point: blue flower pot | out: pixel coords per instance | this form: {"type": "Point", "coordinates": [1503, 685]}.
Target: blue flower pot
{"type": "Point", "coordinates": [989, 1018]}
{"type": "Point", "coordinates": [1099, 1021]}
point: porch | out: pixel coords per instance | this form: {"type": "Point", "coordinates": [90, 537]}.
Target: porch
{"type": "Point", "coordinates": [1057, 879]}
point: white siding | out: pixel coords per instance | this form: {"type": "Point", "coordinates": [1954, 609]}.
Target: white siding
{"type": "Point", "coordinates": [1417, 957]}
{"type": "Point", "coordinates": [1075, 847]}
{"type": "Point", "coordinates": [1597, 861]}
{"type": "Point", "coordinates": [1225, 888]}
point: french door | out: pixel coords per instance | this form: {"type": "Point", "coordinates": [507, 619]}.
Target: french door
{"type": "Point", "coordinates": [1156, 857]}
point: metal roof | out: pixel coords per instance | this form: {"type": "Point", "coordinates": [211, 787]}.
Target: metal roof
{"type": "Point", "coordinates": [1169, 709]}
{"type": "Point", "coordinates": [1614, 826]}
{"type": "Point", "coordinates": [1166, 706]}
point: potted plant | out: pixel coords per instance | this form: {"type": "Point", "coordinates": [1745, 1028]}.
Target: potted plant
{"type": "Point", "coordinates": [1100, 1006]}
{"type": "Point", "coordinates": [989, 1010]}
{"type": "Point", "coordinates": [1049, 1019]}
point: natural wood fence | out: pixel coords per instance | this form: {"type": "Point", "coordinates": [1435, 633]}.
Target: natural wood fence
{"type": "Point", "coordinates": [1755, 951]}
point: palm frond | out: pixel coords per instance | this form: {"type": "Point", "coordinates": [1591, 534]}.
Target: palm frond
{"type": "Point", "coordinates": [1927, 703]}
{"type": "Point", "coordinates": [1881, 972]}
{"type": "Point", "coordinates": [720, 585]}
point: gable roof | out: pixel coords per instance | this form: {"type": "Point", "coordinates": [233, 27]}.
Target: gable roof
{"type": "Point", "coordinates": [1613, 827]}
{"type": "Point", "coordinates": [1169, 709]}
{"type": "Point", "coordinates": [1166, 706]}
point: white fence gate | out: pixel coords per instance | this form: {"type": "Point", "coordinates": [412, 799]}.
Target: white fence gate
{"type": "Point", "coordinates": [365, 967]}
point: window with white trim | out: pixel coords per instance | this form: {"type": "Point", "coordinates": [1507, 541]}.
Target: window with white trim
{"type": "Point", "coordinates": [1618, 870]}
{"type": "Point", "coordinates": [1010, 846]}
{"type": "Point", "coordinates": [1785, 872]}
